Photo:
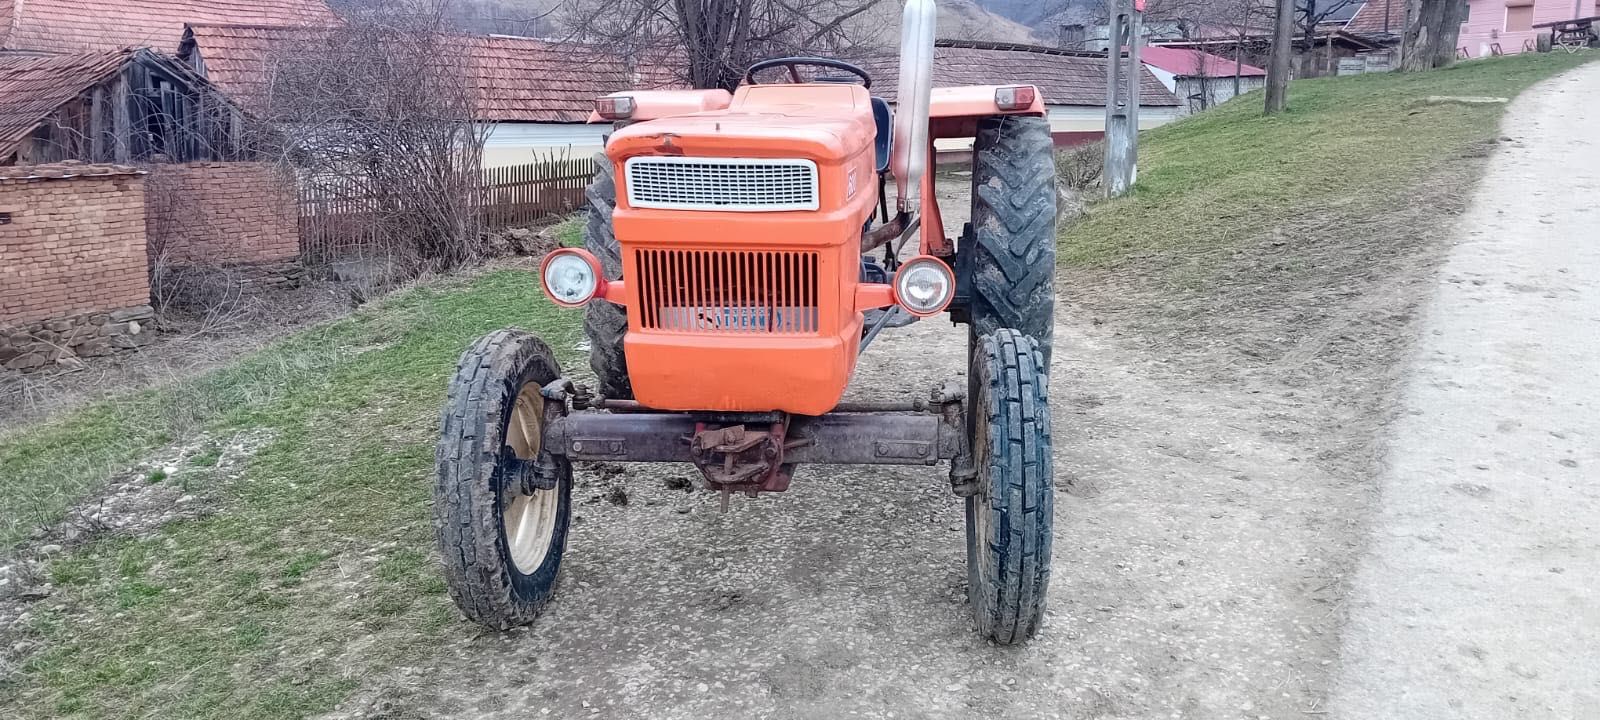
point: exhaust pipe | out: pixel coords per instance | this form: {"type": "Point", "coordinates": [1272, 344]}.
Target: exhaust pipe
{"type": "Point", "coordinates": [910, 157]}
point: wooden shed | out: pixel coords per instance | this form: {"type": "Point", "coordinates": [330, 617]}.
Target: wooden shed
{"type": "Point", "coordinates": [117, 106]}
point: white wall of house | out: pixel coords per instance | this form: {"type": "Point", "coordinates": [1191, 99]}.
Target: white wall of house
{"type": "Point", "coordinates": [1216, 90]}
{"type": "Point", "coordinates": [1092, 118]}
{"type": "Point", "coordinates": [521, 143]}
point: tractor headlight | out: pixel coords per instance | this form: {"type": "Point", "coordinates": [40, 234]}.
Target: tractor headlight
{"type": "Point", "coordinates": [571, 277]}
{"type": "Point", "coordinates": [924, 285]}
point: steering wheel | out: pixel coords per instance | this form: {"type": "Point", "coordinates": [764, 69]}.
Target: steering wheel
{"type": "Point", "coordinates": [794, 63]}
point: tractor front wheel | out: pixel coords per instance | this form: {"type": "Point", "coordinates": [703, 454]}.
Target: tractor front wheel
{"type": "Point", "coordinates": [1009, 519]}
{"type": "Point", "coordinates": [501, 503]}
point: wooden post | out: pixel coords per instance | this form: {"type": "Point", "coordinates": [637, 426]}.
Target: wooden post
{"type": "Point", "coordinates": [121, 124]}
{"type": "Point", "coordinates": [1122, 99]}
{"type": "Point", "coordinates": [97, 125]}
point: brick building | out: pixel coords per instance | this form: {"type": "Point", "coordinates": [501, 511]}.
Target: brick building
{"type": "Point", "coordinates": [238, 215]}
{"type": "Point", "coordinates": [73, 271]}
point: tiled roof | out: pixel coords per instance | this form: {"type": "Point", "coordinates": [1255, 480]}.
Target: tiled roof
{"type": "Point", "coordinates": [32, 87]}
{"type": "Point", "coordinates": [514, 79]}
{"type": "Point", "coordinates": [1369, 19]}
{"type": "Point", "coordinates": [1183, 62]}
{"type": "Point", "coordinates": [1063, 78]}
{"type": "Point", "coordinates": [525, 80]}
{"type": "Point", "coordinates": [238, 57]}
{"type": "Point", "coordinates": [64, 170]}
{"type": "Point", "coordinates": [79, 25]}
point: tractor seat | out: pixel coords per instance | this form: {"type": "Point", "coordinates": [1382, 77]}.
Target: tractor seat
{"type": "Point", "coordinates": [885, 122]}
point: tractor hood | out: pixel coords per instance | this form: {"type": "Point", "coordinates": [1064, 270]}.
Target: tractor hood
{"type": "Point", "coordinates": [826, 123]}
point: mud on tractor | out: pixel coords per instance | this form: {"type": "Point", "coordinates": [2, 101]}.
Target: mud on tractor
{"type": "Point", "coordinates": [740, 256]}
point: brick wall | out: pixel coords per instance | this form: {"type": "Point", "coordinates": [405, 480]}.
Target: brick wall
{"type": "Point", "coordinates": [222, 214]}
{"type": "Point", "coordinates": [74, 242]}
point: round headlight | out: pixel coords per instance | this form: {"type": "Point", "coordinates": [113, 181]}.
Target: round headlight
{"type": "Point", "coordinates": [570, 279]}
{"type": "Point", "coordinates": [924, 285]}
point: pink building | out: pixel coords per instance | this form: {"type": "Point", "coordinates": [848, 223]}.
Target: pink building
{"type": "Point", "coordinates": [1509, 23]}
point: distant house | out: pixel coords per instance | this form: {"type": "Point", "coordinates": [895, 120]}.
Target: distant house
{"type": "Point", "coordinates": [67, 26]}
{"type": "Point", "coordinates": [533, 97]}
{"type": "Point", "coordinates": [1508, 24]}
{"type": "Point", "coordinates": [110, 106]}
{"type": "Point", "coordinates": [1093, 35]}
{"type": "Point", "coordinates": [1328, 48]}
{"type": "Point", "coordinates": [1073, 84]}
{"type": "Point", "coordinates": [1199, 79]}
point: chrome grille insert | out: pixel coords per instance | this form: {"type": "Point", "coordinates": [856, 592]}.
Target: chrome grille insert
{"type": "Point", "coordinates": [729, 184]}
{"type": "Point", "coordinates": [728, 291]}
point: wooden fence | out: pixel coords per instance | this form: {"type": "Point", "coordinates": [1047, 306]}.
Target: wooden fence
{"type": "Point", "coordinates": [519, 195]}
{"type": "Point", "coordinates": [337, 217]}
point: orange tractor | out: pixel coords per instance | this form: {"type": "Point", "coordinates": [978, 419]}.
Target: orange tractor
{"type": "Point", "coordinates": [739, 258]}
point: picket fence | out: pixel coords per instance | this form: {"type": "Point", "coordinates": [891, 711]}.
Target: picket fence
{"type": "Point", "coordinates": [337, 218]}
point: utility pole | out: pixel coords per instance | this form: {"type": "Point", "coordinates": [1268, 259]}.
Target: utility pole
{"type": "Point", "coordinates": [1278, 66]}
{"type": "Point", "coordinates": [1122, 98]}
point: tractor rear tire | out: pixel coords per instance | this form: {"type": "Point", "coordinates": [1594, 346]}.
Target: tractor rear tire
{"type": "Point", "coordinates": [604, 322]}
{"type": "Point", "coordinates": [1014, 229]}
{"type": "Point", "coordinates": [1010, 518]}
{"type": "Point", "coordinates": [501, 504]}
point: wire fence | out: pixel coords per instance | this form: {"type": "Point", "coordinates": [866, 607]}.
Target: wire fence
{"type": "Point", "coordinates": [338, 217]}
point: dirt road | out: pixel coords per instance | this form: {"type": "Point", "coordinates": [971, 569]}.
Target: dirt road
{"type": "Point", "coordinates": [1197, 560]}
{"type": "Point", "coordinates": [1216, 469]}
{"type": "Point", "coordinates": [1479, 598]}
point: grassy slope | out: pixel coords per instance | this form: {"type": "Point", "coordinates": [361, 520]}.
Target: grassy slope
{"type": "Point", "coordinates": [1226, 175]}
{"type": "Point", "coordinates": [257, 611]}
{"type": "Point", "coordinates": [243, 614]}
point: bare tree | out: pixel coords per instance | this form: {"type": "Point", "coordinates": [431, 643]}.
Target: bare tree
{"type": "Point", "coordinates": [377, 120]}
{"type": "Point", "coordinates": [1202, 94]}
{"type": "Point", "coordinates": [1430, 37]}
{"type": "Point", "coordinates": [714, 41]}
{"type": "Point", "coordinates": [1278, 67]}
{"type": "Point", "coordinates": [1241, 21]}
{"type": "Point", "coordinates": [1309, 14]}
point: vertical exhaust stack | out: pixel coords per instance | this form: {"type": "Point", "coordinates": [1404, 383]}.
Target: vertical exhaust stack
{"type": "Point", "coordinates": [910, 157]}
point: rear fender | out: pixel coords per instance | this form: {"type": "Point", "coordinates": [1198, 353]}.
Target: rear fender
{"type": "Point", "coordinates": [954, 113]}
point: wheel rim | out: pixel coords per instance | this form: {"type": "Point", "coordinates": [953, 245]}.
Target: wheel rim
{"type": "Point", "coordinates": [982, 503]}
{"type": "Point", "coordinates": [529, 520]}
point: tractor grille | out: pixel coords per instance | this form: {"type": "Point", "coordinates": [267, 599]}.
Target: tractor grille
{"type": "Point", "coordinates": [736, 184]}
{"type": "Point", "coordinates": [728, 291]}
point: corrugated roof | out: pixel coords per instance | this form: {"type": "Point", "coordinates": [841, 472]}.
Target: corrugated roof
{"type": "Point", "coordinates": [31, 88]}
{"type": "Point", "coordinates": [1063, 78]}
{"type": "Point", "coordinates": [80, 25]}
{"type": "Point", "coordinates": [1184, 62]}
{"type": "Point", "coordinates": [1370, 18]}
{"type": "Point", "coordinates": [514, 79]}
{"type": "Point", "coordinates": [1336, 16]}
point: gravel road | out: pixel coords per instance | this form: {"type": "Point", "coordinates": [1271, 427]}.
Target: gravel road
{"type": "Point", "coordinates": [1479, 597]}
{"type": "Point", "coordinates": [1217, 468]}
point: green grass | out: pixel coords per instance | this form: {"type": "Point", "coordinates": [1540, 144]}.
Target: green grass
{"type": "Point", "coordinates": [245, 613]}
{"type": "Point", "coordinates": [569, 232]}
{"type": "Point", "coordinates": [1226, 175]}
